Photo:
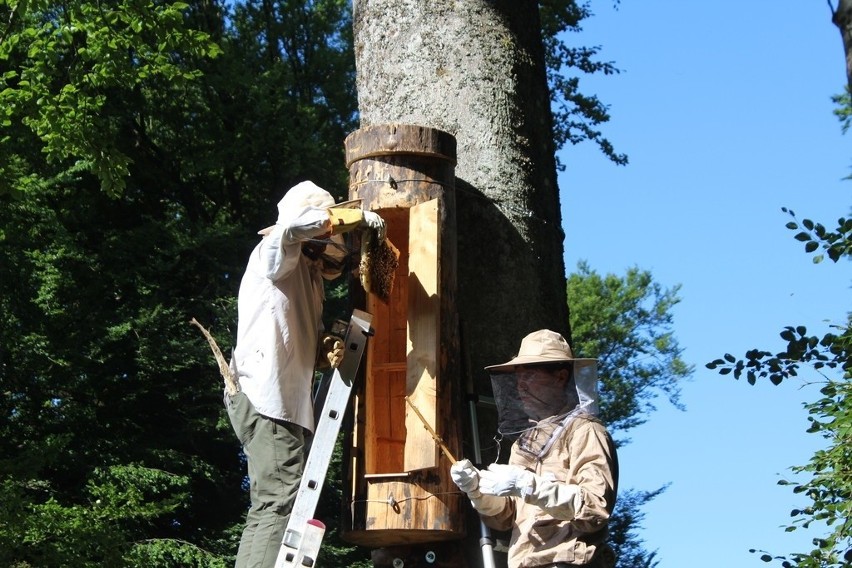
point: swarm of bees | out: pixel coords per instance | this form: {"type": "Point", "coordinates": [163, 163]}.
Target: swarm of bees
{"type": "Point", "coordinates": [379, 261]}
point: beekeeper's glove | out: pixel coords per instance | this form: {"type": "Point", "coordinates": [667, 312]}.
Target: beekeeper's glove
{"type": "Point", "coordinates": [331, 352]}
{"type": "Point", "coordinates": [506, 480]}
{"type": "Point", "coordinates": [560, 500]}
{"type": "Point", "coordinates": [345, 219]}
{"type": "Point", "coordinates": [373, 221]}
{"type": "Point", "coordinates": [465, 476]}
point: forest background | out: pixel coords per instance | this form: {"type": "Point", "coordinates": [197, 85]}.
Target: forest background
{"type": "Point", "coordinates": [142, 147]}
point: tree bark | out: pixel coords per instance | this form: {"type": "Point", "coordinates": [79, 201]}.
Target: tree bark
{"type": "Point", "coordinates": [842, 18]}
{"type": "Point", "coordinates": [475, 69]}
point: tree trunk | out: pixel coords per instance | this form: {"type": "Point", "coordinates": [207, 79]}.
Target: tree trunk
{"type": "Point", "coordinates": [842, 18]}
{"type": "Point", "coordinates": [475, 69]}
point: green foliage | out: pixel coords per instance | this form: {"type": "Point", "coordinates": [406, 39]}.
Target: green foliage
{"type": "Point", "coordinates": [71, 73]}
{"type": "Point", "coordinates": [829, 484]}
{"type": "Point", "coordinates": [835, 244]}
{"type": "Point", "coordinates": [626, 323]}
{"type": "Point", "coordinates": [335, 551]}
{"type": "Point", "coordinates": [104, 382]}
{"type": "Point", "coordinates": [818, 353]}
{"type": "Point", "coordinates": [625, 523]}
{"type": "Point", "coordinates": [107, 393]}
{"type": "Point", "coordinates": [291, 65]}
{"type": "Point", "coordinates": [577, 116]}
{"type": "Point", "coordinates": [142, 144]}
{"type": "Point", "coordinates": [828, 475]}
{"type": "Point", "coordinates": [171, 553]}
{"type": "Point", "coordinates": [844, 109]}
{"type": "Point", "coordinates": [117, 506]}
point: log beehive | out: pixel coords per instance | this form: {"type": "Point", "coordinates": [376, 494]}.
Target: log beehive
{"type": "Point", "coordinates": [398, 489]}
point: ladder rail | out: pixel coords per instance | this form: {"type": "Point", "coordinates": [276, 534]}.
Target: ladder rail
{"type": "Point", "coordinates": [303, 535]}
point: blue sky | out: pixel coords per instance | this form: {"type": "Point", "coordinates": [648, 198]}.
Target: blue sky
{"type": "Point", "coordinates": [725, 111]}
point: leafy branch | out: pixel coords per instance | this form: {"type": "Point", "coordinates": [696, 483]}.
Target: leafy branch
{"type": "Point", "coordinates": [829, 473]}
{"type": "Point", "coordinates": [825, 352]}
{"type": "Point", "coordinates": [835, 244]}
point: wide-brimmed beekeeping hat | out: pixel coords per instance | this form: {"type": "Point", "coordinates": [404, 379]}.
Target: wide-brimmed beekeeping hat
{"type": "Point", "coordinates": [540, 348]}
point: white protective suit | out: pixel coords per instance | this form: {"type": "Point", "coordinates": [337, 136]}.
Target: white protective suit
{"type": "Point", "coordinates": [280, 310]}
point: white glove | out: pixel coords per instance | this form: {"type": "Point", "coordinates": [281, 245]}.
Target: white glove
{"type": "Point", "coordinates": [465, 476]}
{"type": "Point", "coordinates": [373, 221]}
{"type": "Point", "coordinates": [505, 480]}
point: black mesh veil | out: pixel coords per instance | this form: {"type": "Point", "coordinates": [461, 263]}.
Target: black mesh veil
{"type": "Point", "coordinates": [536, 402]}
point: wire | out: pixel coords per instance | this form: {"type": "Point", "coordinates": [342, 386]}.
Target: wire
{"type": "Point", "coordinates": [394, 504]}
{"type": "Point", "coordinates": [394, 183]}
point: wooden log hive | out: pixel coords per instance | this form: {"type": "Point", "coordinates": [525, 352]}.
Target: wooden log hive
{"type": "Point", "coordinates": [398, 489]}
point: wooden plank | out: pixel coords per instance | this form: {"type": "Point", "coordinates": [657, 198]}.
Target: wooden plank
{"type": "Point", "coordinates": [424, 317]}
{"type": "Point", "coordinates": [386, 384]}
{"type": "Point", "coordinates": [400, 505]}
{"type": "Point", "coordinates": [385, 438]}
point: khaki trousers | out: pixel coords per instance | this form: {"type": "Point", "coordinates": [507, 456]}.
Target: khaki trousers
{"type": "Point", "coordinates": [275, 455]}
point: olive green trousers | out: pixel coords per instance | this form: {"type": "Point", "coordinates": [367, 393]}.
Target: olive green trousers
{"type": "Point", "coordinates": [275, 455]}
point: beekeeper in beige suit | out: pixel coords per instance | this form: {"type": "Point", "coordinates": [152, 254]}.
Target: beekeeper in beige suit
{"type": "Point", "coordinates": [558, 490]}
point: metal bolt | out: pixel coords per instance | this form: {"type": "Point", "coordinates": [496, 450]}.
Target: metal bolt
{"type": "Point", "coordinates": [398, 563]}
{"type": "Point", "coordinates": [431, 557]}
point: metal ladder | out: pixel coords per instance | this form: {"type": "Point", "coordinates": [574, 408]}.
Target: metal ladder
{"type": "Point", "coordinates": [303, 536]}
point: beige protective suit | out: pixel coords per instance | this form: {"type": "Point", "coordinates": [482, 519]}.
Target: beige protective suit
{"type": "Point", "coordinates": [553, 522]}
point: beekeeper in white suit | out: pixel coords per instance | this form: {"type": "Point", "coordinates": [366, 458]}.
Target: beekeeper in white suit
{"type": "Point", "coordinates": [279, 333]}
{"type": "Point", "coordinates": [558, 490]}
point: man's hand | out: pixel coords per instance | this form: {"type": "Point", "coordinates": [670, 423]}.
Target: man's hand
{"type": "Point", "coordinates": [343, 220]}
{"type": "Point", "coordinates": [469, 480]}
{"type": "Point", "coordinates": [331, 351]}
{"type": "Point", "coordinates": [465, 476]}
{"type": "Point", "coordinates": [373, 221]}
{"type": "Point", "coordinates": [505, 480]}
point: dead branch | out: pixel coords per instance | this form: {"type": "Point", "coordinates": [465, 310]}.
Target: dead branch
{"type": "Point", "coordinates": [224, 369]}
